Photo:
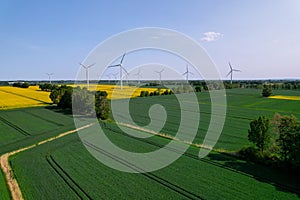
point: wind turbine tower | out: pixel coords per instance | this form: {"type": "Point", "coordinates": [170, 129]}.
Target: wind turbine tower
{"type": "Point", "coordinates": [121, 70]}
{"type": "Point", "coordinates": [231, 72]}
{"type": "Point", "coordinates": [87, 73]}
{"type": "Point", "coordinates": [49, 76]}
{"type": "Point", "coordinates": [187, 72]}
{"type": "Point", "coordinates": [159, 72]}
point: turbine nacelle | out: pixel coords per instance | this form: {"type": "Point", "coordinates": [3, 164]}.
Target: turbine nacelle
{"type": "Point", "coordinates": [121, 70]}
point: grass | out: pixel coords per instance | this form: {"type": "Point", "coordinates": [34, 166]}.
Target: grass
{"type": "Point", "coordinates": [68, 169]}
{"type": "Point", "coordinates": [4, 192]}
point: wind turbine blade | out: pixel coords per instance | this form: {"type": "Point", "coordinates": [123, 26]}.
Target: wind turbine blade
{"type": "Point", "coordinates": [229, 73]}
{"type": "Point", "coordinates": [230, 66]}
{"type": "Point", "coordinates": [236, 70]}
{"type": "Point", "coordinates": [125, 70]}
{"type": "Point", "coordinates": [122, 58]}
{"type": "Point", "coordinates": [114, 66]}
{"type": "Point", "coordinates": [91, 65]}
{"type": "Point", "coordinates": [83, 65]}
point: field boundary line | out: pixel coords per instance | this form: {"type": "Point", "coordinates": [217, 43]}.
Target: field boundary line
{"type": "Point", "coordinates": [11, 181]}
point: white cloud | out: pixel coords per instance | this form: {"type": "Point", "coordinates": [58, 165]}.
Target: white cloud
{"type": "Point", "coordinates": [211, 36]}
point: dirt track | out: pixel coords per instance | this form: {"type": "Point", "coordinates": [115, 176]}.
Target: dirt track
{"type": "Point", "coordinates": [12, 183]}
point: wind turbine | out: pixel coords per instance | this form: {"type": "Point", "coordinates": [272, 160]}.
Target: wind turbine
{"type": "Point", "coordinates": [121, 70]}
{"type": "Point", "coordinates": [139, 76]}
{"type": "Point", "coordinates": [87, 73]}
{"type": "Point", "coordinates": [231, 72]}
{"type": "Point", "coordinates": [187, 73]}
{"type": "Point", "coordinates": [49, 75]}
{"type": "Point", "coordinates": [159, 72]}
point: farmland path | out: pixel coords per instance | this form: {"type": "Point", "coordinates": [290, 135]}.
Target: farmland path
{"type": "Point", "coordinates": [12, 183]}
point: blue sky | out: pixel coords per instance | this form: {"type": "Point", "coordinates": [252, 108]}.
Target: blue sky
{"type": "Point", "coordinates": [261, 38]}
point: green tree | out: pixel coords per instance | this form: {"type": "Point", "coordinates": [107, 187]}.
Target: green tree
{"type": "Point", "coordinates": [82, 100]}
{"type": "Point", "coordinates": [259, 132]}
{"type": "Point", "coordinates": [102, 106]}
{"type": "Point", "coordinates": [57, 93]}
{"type": "Point", "coordinates": [288, 132]}
{"type": "Point", "coordinates": [66, 100]}
{"type": "Point", "coordinates": [266, 91]}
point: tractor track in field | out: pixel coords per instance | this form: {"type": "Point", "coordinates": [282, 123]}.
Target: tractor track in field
{"type": "Point", "coordinates": [67, 178]}
{"type": "Point", "coordinates": [20, 130]}
{"type": "Point", "coordinates": [42, 118]}
{"type": "Point", "coordinates": [164, 182]}
{"type": "Point", "coordinates": [276, 184]}
{"type": "Point", "coordinates": [11, 180]}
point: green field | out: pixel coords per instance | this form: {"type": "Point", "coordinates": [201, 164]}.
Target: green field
{"type": "Point", "coordinates": [69, 170]}
{"type": "Point", "coordinates": [64, 168]}
{"type": "Point", "coordinates": [4, 192]}
{"type": "Point", "coordinates": [243, 106]}
{"type": "Point", "coordinates": [24, 127]}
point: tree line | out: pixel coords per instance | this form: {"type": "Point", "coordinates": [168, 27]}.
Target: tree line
{"type": "Point", "coordinates": [80, 100]}
{"type": "Point", "coordinates": [276, 141]}
{"type": "Point", "coordinates": [21, 85]}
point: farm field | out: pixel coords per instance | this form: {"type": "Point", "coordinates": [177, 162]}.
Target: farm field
{"type": "Point", "coordinates": [114, 92]}
{"type": "Point", "coordinates": [3, 187]}
{"type": "Point", "coordinates": [65, 166]}
{"type": "Point", "coordinates": [243, 106]}
{"type": "Point", "coordinates": [14, 97]}
{"type": "Point", "coordinates": [27, 126]}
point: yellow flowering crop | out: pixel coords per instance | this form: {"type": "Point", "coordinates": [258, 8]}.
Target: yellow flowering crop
{"type": "Point", "coordinates": [285, 97]}
{"type": "Point", "coordinates": [114, 91]}
{"type": "Point", "coordinates": [14, 97]}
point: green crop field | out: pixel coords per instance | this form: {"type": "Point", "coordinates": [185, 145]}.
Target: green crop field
{"type": "Point", "coordinates": [243, 106]}
{"type": "Point", "coordinates": [64, 168]}
{"type": "Point", "coordinates": [68, 169]}
{"type": "Point", "coordinates": [4, 192]}
{"type": "Point", "coordinates": [24, 127]}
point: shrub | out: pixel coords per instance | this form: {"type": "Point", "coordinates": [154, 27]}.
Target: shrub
{"type": "Point", "coordinates": [144, 93]}
{"type": "Point", "coordinates": [156, 93]}
{"type": "Point", "coordinates": [267, 91]}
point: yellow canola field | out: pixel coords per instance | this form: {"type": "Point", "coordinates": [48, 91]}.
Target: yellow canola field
{"type": "Point", "coordinates": [13, 97]}
{"type": "Point", "coordinates": [296, 98]}
{"type": "Point", "coordinates": [114, 91]}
